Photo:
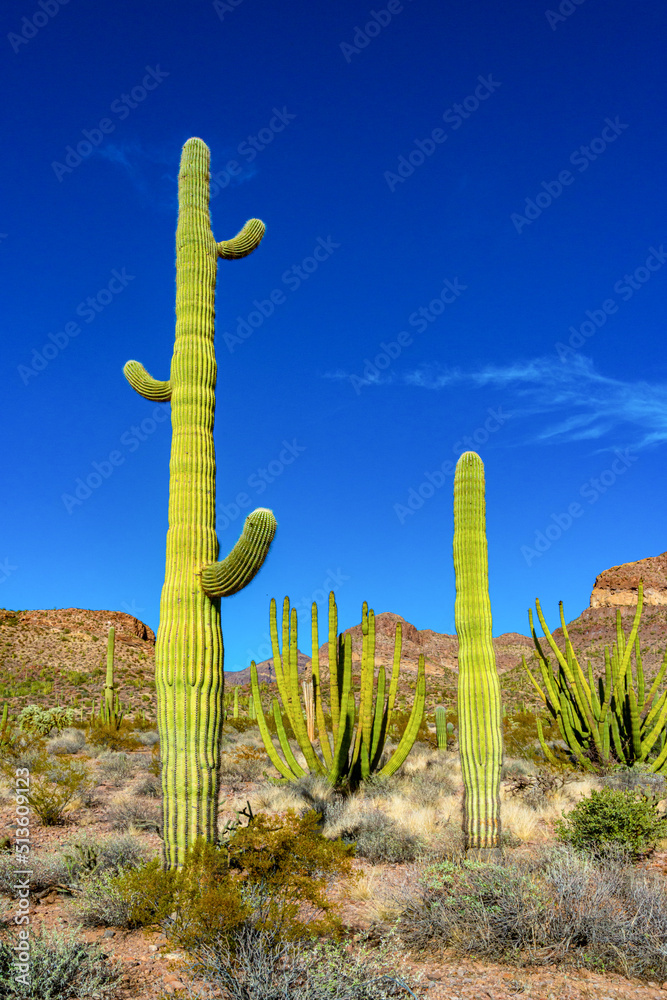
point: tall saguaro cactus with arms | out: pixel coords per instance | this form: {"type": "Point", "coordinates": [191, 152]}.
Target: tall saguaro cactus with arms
{"type": "Point", "coordinates": [189, 651]}
{"type": "Point", "coordinates": [480, 722]}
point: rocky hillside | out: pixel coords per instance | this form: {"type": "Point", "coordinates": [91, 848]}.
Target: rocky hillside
{"type": "Point", "coordinates": [59, 656]}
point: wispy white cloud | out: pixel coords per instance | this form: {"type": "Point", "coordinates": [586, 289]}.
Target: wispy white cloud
{"type": "Point", "coordinates": [586, 404]}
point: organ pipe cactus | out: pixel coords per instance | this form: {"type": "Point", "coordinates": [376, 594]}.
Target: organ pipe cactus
{"type": "Point", "coordinates": [349, 755]}
{"type": "Point", "coordinates": [189, 649]}
{"type": "Point", "coordinates": [479, 708]}
{"type": "Point", "coordinates": [614, 724]}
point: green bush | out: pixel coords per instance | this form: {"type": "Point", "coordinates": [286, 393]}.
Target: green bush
{"type": "Point", "coordinates": [52, 789]}
{"type": "Point", "coordinates": [627, 818]}
{"type": "Point", "coordinates": [60, 968]}
{"type": "Point", "coordinates": [272, 873]}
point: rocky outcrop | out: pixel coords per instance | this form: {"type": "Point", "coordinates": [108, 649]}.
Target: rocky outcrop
{"type": "Point", "coordinates": [79, 620]}
{"type": "Point", "coordinates": [617, 587]}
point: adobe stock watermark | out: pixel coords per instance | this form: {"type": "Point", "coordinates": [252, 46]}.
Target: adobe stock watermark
{"type": "Point", "coordinates": [377, 22]}
{"type": "Point", "coordinates": [334, 580]}
{"type": "Point", "coordinates": [454, 117]}
{"type": "Point", "coordinates": [31, 26]}
{"type": "Point", "coordinates": [121, 107]}
{"type": "Point", "coordinates": [565, 9]}
{"type": "Point", "coordinates": [249, 148]}
{"type": "Point", "coordinates": [223, 7]}
{"type": "Point", "coordinates": [131, 440]}
{"type": "Point", "coordinates": [258, 481]}
{"type": "Point", "coordinates": [419, 320]}
{"type": "Point", "coordinates": [582, 157]}
{"type": "Point", "coordinates": [292, 279]}
{"type": "Point", "coordinates": [22, 873]}
{"type": "Point", "coordinates": [131, 608]}
{"type": "Point", "coordinates": [625, 287]}
{"type": "Point", "coordinates": [6, 569]}
{"type": "Point", "coordinates": [88, 309]}
{"type": "Point", "coordinates": [433, 481]}
{"type": "Point", "coordinates": [591, 491]}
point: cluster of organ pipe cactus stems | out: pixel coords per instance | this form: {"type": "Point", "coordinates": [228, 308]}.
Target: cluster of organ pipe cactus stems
{"type": "Point", "coordinates": [614, 724]}
{"type": "Point", "coordinates": [348, 755]}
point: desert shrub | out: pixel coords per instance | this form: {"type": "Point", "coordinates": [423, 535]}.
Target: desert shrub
{"type": "Point", "coordinates": [614, 816]}
{"type": "Point", "coordinates": [379, 839]}
{"type": "Point", "coordinates": [635, 777]}
{"type": "Point", "coordinates": [148, 738]}
{"type": "Point", "coordinates": [24, 749]}
{"type": "Point", "coordinates": [240, 725]}
{"type": "Point", "coordinates": [115, 767]}
{"type": "Point", "coordinates": [272, 873]}
{"type": "Point", "coordinates": [69, 741]}
{"type": "Point", "coordinates": [53, 789]}
{"type": "Point", "coordinates": [46, 870]}
{"type": "Point", "coordinates": [243, 763]}
{"type": "Point", "coordinates": [85, 856]}
{"type": "Point", "coordinates": [559, 906]}
{"type": "Point", "coordinates": [537, 789]}
{"type": "Point", "coordinates": [106, 735]}
{"type": "Point", "coordinates": [125, 812]}
{"type": "Point", "coordinates": [61, 967]}
{"type": "Point", "coordinates": [261, 967]}
{"type": "Point", "coordinates": [37, 719]}
{"type": "Point", "coordinates": [150, 786]}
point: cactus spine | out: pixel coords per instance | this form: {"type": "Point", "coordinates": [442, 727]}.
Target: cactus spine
{"type": "Point", "coordinates": [480, 726]}
{"type": "Point", "coordinates": [189, 650]}
{"type": "Point", "coordinates": [348, 757]}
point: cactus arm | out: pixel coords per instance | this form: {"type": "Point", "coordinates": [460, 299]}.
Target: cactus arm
{"type": "Point", "coordinates": [284, 742]}
{"type": "Point", "coordinates": [379, 715]}
{"type": "Point", "coordinates": [334, 667]}
{"type": "Point", "coordinates": [245, 241]}
{"type": "Point", "coordinates": [325, 746]}
{"type": "Point", "coordinates": [571, 655]}
{"type": "Point", "coordinates": [145, 385]}
{"type": "Point", "coordinates": [274, 756]}
{"type": "Point", "coordinates": [545, 749]}
{"type": "Point", "coordinates": [222, 579]}
{"type": "Point", "coordinates": [409, 736]}
{"type": "Point", "coordinates": [346, 717]}
{"type": "Point", "coordinates": [296, 718]}
{"type": "Point", "coordinates": [654, 687]}
{"type": "Point", "coordinates": [647, 743]}
{"type": "Point", "coordinates": [640, 675]}
{"type": "Point", "coordinates": [627, 652]}
{"type": "Point", "coordinates": [535, 684]}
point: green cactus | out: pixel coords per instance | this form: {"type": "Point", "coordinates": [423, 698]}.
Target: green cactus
{"type": "Point", "coordinates": [235, 712]}
{"type": "Point", "coordinates": [479, 707]}
{"type": "Point", "coordinates": [111, 713]}
{"type": "Point", "coordinates": [189, 650]}
{"type": "Point", "coordinates": [252, 711]}
{"type": "Point", "coordinates": [442, 727]}
{"type": "Point", "coordinates": [614, 725]}
{"type": "Point", "coordinates": [347, 757]}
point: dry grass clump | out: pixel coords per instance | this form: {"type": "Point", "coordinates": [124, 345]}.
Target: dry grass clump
{"type": "Point", "coordinates": [115, 767]}
{"type": "Point", "coordinates": [128, 813]}
{"type": "Point", "coordinates": [69, 741]}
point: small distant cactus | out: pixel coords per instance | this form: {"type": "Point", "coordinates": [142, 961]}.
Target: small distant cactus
{"type": "Point", "coordinates": [443, 729]}
{"type": "Point", "coordinates": [111, 712]}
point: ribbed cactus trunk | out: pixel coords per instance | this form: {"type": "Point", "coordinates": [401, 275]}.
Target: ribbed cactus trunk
{"type": "Point", "coordinates": [480, 723]}
{"type": "Point", "coordinates": [189, 649]}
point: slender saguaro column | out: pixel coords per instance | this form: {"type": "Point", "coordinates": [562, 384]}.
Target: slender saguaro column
{"type": "Point", "coordinates": [480, 722]}
{"type": "Point", "coordinates": [189, 651]}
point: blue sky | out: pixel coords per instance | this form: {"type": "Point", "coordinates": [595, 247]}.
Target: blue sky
{"type": "Point", "coordinates": [466, 247]}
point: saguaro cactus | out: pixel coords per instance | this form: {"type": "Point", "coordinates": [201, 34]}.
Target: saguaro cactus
{"type": "Point", "coordinates": [111, 712]}
{"type": "Point", "coordinates": [189, 650]}
{"type": "Point", "coordinates": [480, 725]}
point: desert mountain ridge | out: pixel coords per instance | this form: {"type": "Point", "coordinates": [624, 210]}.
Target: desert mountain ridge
{"type": "Point", "coordinates": [61, 653]}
